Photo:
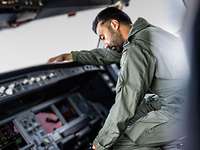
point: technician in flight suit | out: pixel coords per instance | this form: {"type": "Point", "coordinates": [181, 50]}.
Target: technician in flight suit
{"type": "Point", "coordinates": [151, 59]}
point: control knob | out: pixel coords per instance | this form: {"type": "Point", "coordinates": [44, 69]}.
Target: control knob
{"type": "Point", "coordinates": [25, 81]}
{"type": "Point", "coordinates": [9, 91]}
{"type": "Point", "coordinates": [2, 89]}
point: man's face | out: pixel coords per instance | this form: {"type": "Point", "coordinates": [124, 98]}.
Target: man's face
{"type": "Point", "coordinates": [110, 35]}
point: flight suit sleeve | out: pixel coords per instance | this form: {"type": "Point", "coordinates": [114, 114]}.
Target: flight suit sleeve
{"type": "Point", "coordinates": [96, 56]}
{"type": "Point", "coordinates": [135, 77]}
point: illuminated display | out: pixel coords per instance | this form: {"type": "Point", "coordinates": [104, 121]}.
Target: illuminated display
{"type": "Point", "coordinates": [67, 110]}
{"type": "Point", "coordinates": [48, 120]}
{"type": "Point", "coordinates": [10, 138]}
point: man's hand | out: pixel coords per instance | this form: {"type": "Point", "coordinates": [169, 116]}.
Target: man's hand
{"type": "Point", "coordinates": [67, 57]}
{"type": "Point", "coordinates": [93, 147]}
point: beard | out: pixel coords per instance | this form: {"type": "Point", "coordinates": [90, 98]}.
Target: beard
{"type": "Point", "coordinates": [117, 41]}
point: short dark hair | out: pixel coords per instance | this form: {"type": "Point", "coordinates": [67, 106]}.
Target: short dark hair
{"type": "Point", "coordinates": [111, 13]}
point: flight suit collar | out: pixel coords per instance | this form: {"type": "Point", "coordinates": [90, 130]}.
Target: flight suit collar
{"type": "Point", "coordinates": [139, 25]}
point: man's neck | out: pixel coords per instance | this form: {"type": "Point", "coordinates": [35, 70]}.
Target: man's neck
{"type": "Point", "coordinates": [125, 29]}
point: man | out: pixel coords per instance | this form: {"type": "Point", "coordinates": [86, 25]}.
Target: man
{"type": "Point", "coordinates": [147, 56]}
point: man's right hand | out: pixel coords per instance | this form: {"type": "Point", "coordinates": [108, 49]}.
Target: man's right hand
{"type": "Point", "coordinates": [67, 57]}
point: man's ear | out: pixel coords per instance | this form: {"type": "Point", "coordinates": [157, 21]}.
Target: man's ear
{"type": "Point", "coordinates": [114, 24]}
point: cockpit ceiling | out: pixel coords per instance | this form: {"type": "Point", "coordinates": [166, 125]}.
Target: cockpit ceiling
{"type": "Point", "coordinates": [14, 13]}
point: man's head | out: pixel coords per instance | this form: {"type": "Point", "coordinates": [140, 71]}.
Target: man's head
{"type": "Point", "coordinates": [112, 26]}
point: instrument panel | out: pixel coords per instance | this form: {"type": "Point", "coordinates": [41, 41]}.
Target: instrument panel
{"type": "Point", "coordinates": [52, 125]}
{"type": "Point", "coordinates": [63, 111]}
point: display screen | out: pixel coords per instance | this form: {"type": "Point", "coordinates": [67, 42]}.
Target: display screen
{"type": "Point", "coordinates": [83, 105]}
{"type": "Point", "coordinates": [67, 110]}
{"type": "Point", "coordinates": [10, 138]}
{"type": "Point", "coordinates": [48, 120]}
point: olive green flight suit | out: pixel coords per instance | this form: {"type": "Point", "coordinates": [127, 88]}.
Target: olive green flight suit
{"type": "Point", "coordinates": [152, 60]}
